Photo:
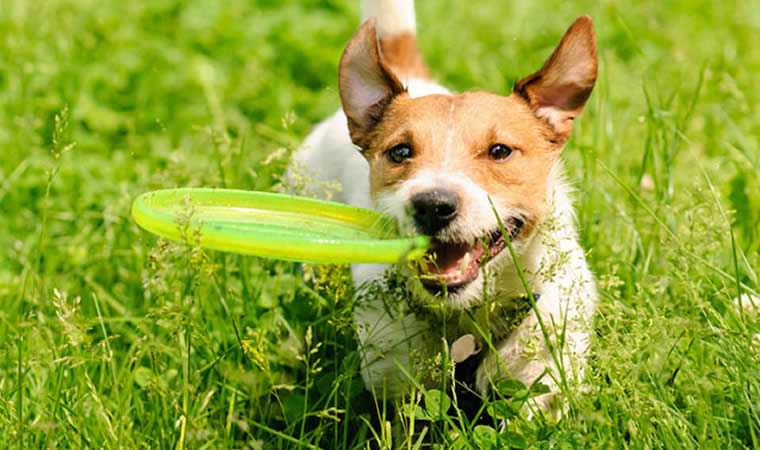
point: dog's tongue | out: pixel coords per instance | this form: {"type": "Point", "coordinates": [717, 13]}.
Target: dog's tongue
{"type": "Point", "coordinates": [449, 258]}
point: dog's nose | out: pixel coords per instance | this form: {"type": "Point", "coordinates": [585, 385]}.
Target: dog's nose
{"type": "Point", "coordinates": [434, 209]}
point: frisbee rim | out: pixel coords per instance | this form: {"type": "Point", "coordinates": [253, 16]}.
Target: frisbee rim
{"type": "Point", "coordinates": [150, 212]}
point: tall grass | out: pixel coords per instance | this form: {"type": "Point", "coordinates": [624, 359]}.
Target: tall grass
{"type": "Point", "coordinates": [110, 337]}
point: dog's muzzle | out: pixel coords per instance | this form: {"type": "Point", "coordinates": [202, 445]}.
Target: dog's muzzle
{"type": "Point", "coordinates": [433, 210]}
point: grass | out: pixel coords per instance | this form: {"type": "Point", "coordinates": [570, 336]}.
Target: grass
{"type": "Point", "coordinates": [110, 337]}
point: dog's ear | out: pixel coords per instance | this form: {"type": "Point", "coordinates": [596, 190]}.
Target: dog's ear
{"type": "Point", "coordinates": [558, 92]}
{"type": "Point", "coordinates": [366, 83]}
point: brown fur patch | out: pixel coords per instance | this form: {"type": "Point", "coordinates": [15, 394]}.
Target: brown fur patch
{"type": "Point", "coordinates": [455, 133]}
{"type": "Point", "coordinates": [403, 56]}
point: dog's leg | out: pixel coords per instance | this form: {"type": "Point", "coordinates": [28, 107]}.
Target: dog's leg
{"type": "Point", "coordinates": [389, 333]}
{"type": "Point", "coordinates": [526, 356]}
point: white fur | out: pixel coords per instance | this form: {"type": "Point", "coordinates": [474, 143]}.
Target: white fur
{"type": "Point", "coordinates": [393, 16]}
{"type": "Point", "coordinates": [751, 305]}
{"type": "Point", "coordinates": [553, 261]}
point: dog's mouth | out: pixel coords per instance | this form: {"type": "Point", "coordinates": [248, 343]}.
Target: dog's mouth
{"type": "Point", "coordinates": [450, 265]}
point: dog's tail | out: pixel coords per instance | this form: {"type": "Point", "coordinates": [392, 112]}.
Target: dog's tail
{"type": "Point", "coordinates": [396, 32]}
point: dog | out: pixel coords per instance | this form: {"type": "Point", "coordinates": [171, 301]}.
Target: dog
{"type": "Point", "coordinates": [464, 169]}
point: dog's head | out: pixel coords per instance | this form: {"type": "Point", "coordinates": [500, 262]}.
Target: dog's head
{"type": "Point", "coordinates": [435, 160]}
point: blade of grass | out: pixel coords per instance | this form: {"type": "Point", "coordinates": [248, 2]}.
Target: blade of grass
{"type": "Point", "coordinates": [672, 234]}
{"type": "Point", "coordinates": [529, 293]}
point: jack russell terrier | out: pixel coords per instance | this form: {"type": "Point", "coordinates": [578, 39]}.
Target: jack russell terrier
{"type": "Point", "coordinates": [445, 165]}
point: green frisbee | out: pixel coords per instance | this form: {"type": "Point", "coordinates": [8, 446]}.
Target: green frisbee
{"type": "Point", "coordinates": [276, 226]}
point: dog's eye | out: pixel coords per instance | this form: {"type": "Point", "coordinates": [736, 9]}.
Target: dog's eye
{"type": "Point", "coordinates": [399, 153]}
{"type": "Point", "coordinates": [499, 152]}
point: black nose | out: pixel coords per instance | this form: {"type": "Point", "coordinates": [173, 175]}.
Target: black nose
{"type": "Point", "coordinates": [433, 210]}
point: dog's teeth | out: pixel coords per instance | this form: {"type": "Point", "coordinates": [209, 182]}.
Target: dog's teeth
{"type": "Point", "coordinates": [465, 262]}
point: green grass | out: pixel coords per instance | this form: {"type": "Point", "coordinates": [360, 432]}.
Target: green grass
{"type": "Point", "coordinates": [112, 338]}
